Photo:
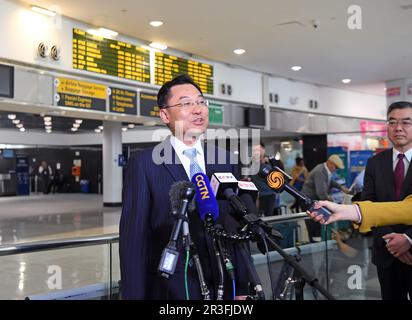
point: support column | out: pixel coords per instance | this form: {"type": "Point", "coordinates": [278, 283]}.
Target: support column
{"type": "Point", "coordinates": [265, 99]}
{"type": "Point", "coordinates": [112, 172]}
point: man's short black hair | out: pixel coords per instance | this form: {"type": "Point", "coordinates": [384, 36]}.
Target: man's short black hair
{"type": "Point", "coordinates": [399, 105]}
{"type": "Point", "coordinates": [163, 94]}
{"type": "Point", "coordinates": [298, 160]}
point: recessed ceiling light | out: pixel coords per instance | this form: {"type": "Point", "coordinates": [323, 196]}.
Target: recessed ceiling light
{"type": "Point", "coordinates": [296, 68]}
{"type": "Point", "coordinates": [157, 45]}
{"type": "Point", "coordinates": [19, 125]}
{"type": "Point", "coordinates": [239, 51]}
{"type": "Point", "coordinates": [43, 11]}
{"type": "Point", "coordinates": [346, 81]}
{"type": "Point", "coordinates": [48, 127]}
{"type": "Point", "coordinates": [16, 121]}
{"type": "Point", "coordinates": [101, 127]}
{"type": "Point", "coordinates": [47, 119]}
{"type": "Point", "coordinates": [47, 123]}
{"type": "Point", "coordinates": [22, 129]}
{"type": "Point", "coordinates": [73, 129]}
{"type": "Point", "coordinates": [124, 129]}
{"type": "Point", "coordinates": [131, 125]}
{"type": "Point", "coordinates": [79, 121]}
{"type": "Point", "coordinates": [11, 116]}
{"type": "Point", "coordinates": [97, 130]}
{"type": "Point", "coordinates": [76, 125]}
{"type": "Point", "coordinates": [156, 23]}
{"type": "Point", "coordinates": [48, 131]}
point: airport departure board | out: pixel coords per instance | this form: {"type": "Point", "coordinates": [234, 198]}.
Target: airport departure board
{"type": "Point", "coordinates": [167, 67]}
{"type": "Point", "coordinates": [111, 57]}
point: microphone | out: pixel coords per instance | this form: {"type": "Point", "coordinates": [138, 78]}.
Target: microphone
{"type": "Point", "coordinates": [276, 180]}
{"type": "Point", "coordinates": [207, 205]}
{"type": "Point", "coordinates": [181, 193]}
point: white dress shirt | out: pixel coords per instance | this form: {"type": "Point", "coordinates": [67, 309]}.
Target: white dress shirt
{"type": "Point", "coordinates": [180, 147]}
{"type": "Point", "coordinates": [406, 159]}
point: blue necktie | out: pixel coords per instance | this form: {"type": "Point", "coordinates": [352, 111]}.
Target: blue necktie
{"type": "Point", "coordinates": [194, 165]}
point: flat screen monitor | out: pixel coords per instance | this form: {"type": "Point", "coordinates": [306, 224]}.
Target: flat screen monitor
{"type": "Point", "coordinates": [255, 117]}
{"type": "Point", "coordinates": [6, 81]}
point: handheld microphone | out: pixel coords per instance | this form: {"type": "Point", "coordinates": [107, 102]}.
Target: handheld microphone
{"type": "Point", "coordinates": [181, 193]}
{"type": "Point", "coordinates": [205, 199]}
{"type": "Point", "coordinates": [276, 181]}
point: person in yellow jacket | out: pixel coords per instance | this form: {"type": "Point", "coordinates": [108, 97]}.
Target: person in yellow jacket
{"type": "Point", "coordinates": [367, 214]}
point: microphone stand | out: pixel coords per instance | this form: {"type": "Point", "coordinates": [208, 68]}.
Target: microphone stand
{"type": "Point", "coordinates": [300, 271]}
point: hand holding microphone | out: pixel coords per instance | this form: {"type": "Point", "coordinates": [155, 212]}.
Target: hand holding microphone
{"type": "Point", "coordinates": [276, 180]}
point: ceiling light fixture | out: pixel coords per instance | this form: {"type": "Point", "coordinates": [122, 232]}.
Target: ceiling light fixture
{"type": "Point", "coordinates": [48, 127]}
{"type": "Point", "coordinates": [156, 23]}
{"type": "Point", "coordinates": [296, 68]}
{"type": "Point", "coordinates": [47, 123]}
{"type": "Point", "coordinates": [47, 119]}
{"type": "Point", "coordinates": [346, 81]}
{"type": "Point", "coordinates": [157, 45]}
{"type": "Point", "coordinates": [97, 130]}
{"type": "Point", "coordinates": [11, 116]}
{"type": "Point", "coordinates": [22, 129]}
{"type": "Point", "coordinates": [16, 121]}
{"type": "Point", "coordinates": [124, 129]}
{"type": "Point", "coordinates": [44, 11]}
{"type": "Point", "coordinates": [131, 125]}
{"type": "Point", "coordinates": [76, 125]}
{"type": "Point", "coordinates": [20, 125]}
{"type": "Point", "coordinates": [100, 127]}
{"type": "Point", "coordinates": [48, 130]}
{"type": "Point", "coordinates": [79, 121]}
{"type": "Point", "coordinates": [239, 51]}
{"type": "Point", "coordinates": [74, 129]}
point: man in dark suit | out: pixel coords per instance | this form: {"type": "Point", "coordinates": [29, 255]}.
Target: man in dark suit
{"type": "Point", "coordinates": [388, 177]}
{"type": "Point", "coordinates": [146, 221]}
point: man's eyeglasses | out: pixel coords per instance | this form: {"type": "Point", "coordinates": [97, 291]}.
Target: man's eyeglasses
{"type": "Point", "coordinates": [405, 123]}
{"type": "Point", "coordinates": [190, 103]}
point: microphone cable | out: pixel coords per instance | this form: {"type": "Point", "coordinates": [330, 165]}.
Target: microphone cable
{"type": "Point", "coordinates": [228, 265]}
{"type": "Point", "coordinates": [186, 282]}
{"type": "Point", "coordinates": [220, 288]}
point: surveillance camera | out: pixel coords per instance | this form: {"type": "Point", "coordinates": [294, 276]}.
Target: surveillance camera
{"type": "Point", "coordinates": [315, 24]}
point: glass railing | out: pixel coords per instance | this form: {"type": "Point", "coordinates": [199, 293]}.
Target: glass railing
{"type": "Point", "coordinates": [88, 267]}
{"type": "Point", "coordinates": [78, 268]}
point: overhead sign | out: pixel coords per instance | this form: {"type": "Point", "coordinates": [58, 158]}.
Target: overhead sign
{"type": "Point", "coordinates": [111, 57]}
{"type": "Point", "coordinates": [123, 101]}
{"type": "Point", "coordinates": [80, 94]}
{"type": "Point", "coordinates": [168, 66]}
{"type": "Point", "coordinates": [215, 113]}
{"type": "Point", "coordinates": [148, 105]}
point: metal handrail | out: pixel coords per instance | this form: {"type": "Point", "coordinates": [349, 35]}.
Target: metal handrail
{"type": "Point", "coordinates": [28, 247]}
{"type": "Point", "coordinates": [17, 248]}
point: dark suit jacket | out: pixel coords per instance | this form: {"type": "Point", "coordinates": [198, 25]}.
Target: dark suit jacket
{"type": "Point", "coordinates": [379, 187]}
{"type": "Point", "coordinates": [146, 225]}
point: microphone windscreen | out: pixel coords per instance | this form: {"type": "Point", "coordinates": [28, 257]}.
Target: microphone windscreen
{"type": "Point", "coordinates": [177, 192]}
{"type": "Point", "coordinates": [205, 199]}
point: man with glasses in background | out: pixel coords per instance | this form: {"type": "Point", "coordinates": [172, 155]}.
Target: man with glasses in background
{"type": "Point", "coordinates": [146, 222]}
{"type": "Point", "coordinates": [388, 177]}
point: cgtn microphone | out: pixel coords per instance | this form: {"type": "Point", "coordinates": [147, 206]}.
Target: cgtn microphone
{"type": "Point", "coordinates": [276, 180]}
{"type": "Point", "coordinates": [181, 194]}
{"type": "Point", "coordinates": [206, 201]}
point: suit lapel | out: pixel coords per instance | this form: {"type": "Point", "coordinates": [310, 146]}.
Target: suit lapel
{"type": "Point", "coordinates": [407, 183]}
{"type": "Point", "coordinates": [387, 166]}
{"type": "Point", "coordinates": [172, 162]}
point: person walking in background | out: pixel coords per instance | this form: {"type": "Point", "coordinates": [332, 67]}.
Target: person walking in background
{"type": "Point", "coordinates": [46, 176]}
{"type": "Point", "coordinates": [299, 175]}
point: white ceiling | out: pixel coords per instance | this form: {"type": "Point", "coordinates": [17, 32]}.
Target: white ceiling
{"type": "Point", "coordinates": [381, 51]}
